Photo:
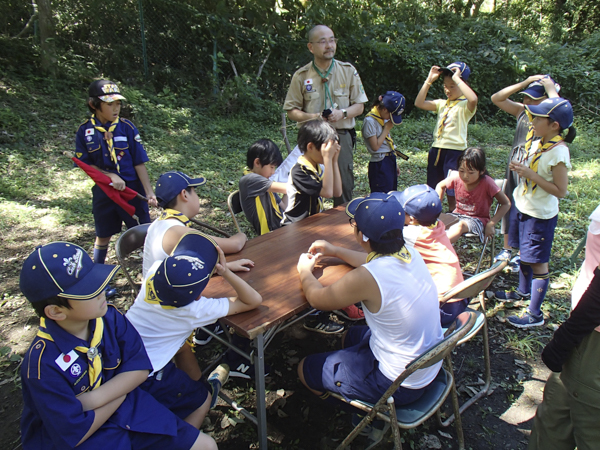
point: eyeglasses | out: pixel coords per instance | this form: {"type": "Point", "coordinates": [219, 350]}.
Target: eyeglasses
{"type": "Point", "coordinates": [352, 222]}
{"type": "Point", "coordinates": [330, 41]}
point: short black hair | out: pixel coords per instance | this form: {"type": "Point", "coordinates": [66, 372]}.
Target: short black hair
{"type": "Point", "coordinates": [266, 151]}
{"type": "Point", "coordinates": [56, 300]}
{"type": "Point", "coordinates": [94, 104]}
{"type": "Point", "coordinates": [428, 224]}
{"type": "Point", "coordinates": [173, 202]}
{"type": "Point", "coordinates": [317, 132]}
{"type": "Point", "coordinates": [395, 242]}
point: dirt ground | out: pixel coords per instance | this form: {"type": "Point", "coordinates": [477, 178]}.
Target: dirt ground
{"type": "Point", "coordinates": [298, 419]}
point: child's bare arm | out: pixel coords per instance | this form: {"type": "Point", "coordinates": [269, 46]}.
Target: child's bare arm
{"type": "Point", "coordinates": [466, 90]}
{"type": "Point", "coordinates": [241, 265]}
{"type": "Point", "coordinates": [142, 174]}
{"type": "Point", "coordinates": [328, 151]}
{"type": "Point", "coordinates": [101, 415]}
{"type": "Point", "coordinates": [120, 385]}
{"type": "Point", "coordinates": [280, 188]}
{"type": "Point", "coordinates": [501, 98]}
{"type": "Point", "coordinates": [377, 141]}
{"type": "Point", "coordinates": [337, 177]}
{"type": "Point", "coordinates": [420, 102]}
{"type": "Point", "coordinates": [229, 245]}
{"type": "Point", "coordinates": [504, 203]}
{"type": "Point", "coordinates": [232, 244]}
{"type": "Point", "coordinates": [556, 187]}
{"type": "Point", "coordinates": [247, 298]}
{"type": "Point", "coordinates": [441, 188]}
{"type": "Point", "coordinates": [324, 248]}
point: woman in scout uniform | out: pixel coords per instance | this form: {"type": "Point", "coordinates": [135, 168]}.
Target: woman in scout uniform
{"type": "Point", "coordinates": [385, 113]}
{"type": "Point", "coordinates": [454, 114]}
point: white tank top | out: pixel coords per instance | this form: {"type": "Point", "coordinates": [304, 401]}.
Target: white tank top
{"type": "Point", "coordinates": [153, 245]}
{"type": "Point", "coordinates": [408, 322]}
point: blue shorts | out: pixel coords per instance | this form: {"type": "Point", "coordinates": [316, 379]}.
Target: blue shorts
{"type": "Point", "coordinates": [109, 217]}
{"type": "Point", "coordinates": [176, 390]}
{"type": "Point", "coordinates": [184, 440]}
{"type": "Point", "coordinates": [353, 372]}
{"type": "Point", "coordinates": [532, 236]}
{"type": "Point", "coordinates": [439, 162]}
{"type": "Point", "coordinates": [450, 310]}
{"type": "Point", "coordinates": [383, 175]}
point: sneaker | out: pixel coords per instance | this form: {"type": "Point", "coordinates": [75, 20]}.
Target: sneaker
{"type": "Point", "coordinates": [508, 296]}
{"type": "Point", "coordinates": [110, 291]}
{"type": "Point", "coordinates": [351, 312]}
{"type": "Point", "coordinates": [202, 337]}
{"type": "Point", "coordinates": [322, 324]}
{"type": "Point", "coordinates": [515, 264]}
{"type": "Point", "coordinates": [217, 379]}
{"type": "Point", "coordinates": [246, 371]}
{"type": "Point", "coordinates": [526, 320]}
{"type": "Point", "coordinates": [504, 255]}
{"type": "Point", "coordinates": [374, 432]}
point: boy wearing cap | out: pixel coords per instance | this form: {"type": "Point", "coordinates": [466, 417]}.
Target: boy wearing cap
{"type": "Point", "coordinates": [113, 146]}
{"type": "Point", "coordinates": [385, 113]}
{"type": "Point", "coordinates": [535, 89]}
{"type": "Point", "coordinates": [453, 116]}
{"type": "Point", "coordinates": [426, 234]}
{"type": "Point", "coordinates": [399, 300]}
{"type": "Point", "coordinates": [81, 374]}
{"type": "Point", "coordinates": [170, 306]}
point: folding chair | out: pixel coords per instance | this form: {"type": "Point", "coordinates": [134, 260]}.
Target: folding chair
{"type": "Point", "coordinates": [416, 413]}
{"type": "Point", "coordinates": [128, 242]}
{"type": "Point", "coordinates": [235, 207]}
{"type": "Point", "coordinates": [470, 288]}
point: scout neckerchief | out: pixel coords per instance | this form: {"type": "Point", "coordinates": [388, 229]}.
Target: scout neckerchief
{"type": "Point", "coordinates": [529, 136]}
{"type": "Point", "coordinates": [318, 174]}
{"type": "Point", "coordinates": [535, 160]}
{"type": "Point", "coordinates": [260, 211]}
{"type": "Point", "coordinates": [108, 137]}
{"type": "Point", "coordinates": [443, 122]}
{"type": "Point", "coordinates": [325, 81]}
{"type": "Point", "coordinates": [93, 355]}
{"type": "Point", "coordinates": [374, 113]}
{"type": "Point", "coordinates": [403, 255]}
{"type": "Point", "coordinates": [173, 214]}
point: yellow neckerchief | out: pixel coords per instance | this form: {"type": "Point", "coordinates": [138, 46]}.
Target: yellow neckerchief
{"type": "Point", "coordinates": [374, 113]}
{"type": "Point", "coordinates": [448, 107]}
{"type": "Point", "coordinates": [93, 355]}
{"type": "Point", "coordinates": [108, 137]}
{"type": "Point", "coordinates": [535, 160]}
{"type": "Point", "coordinates": [260, 211]}
{"type": "Point", "coordinates": [173, 214]}
{"type": "Point", "coordinates": [529, 136]}
{"type": "Point", "coordinates": [317, 171]}
{"type": "Point", "coordinates": [403, 255]}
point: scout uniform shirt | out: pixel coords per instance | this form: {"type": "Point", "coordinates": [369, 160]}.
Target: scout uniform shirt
{"type": "Point", "coordinates": [303, 191]}
{"type": "Point", "coordinates": [307, 92]}
{"type": "Point", "coordinates": [261, 207]}
{"type": "Point", "coordinates": [54, 372]}
{"type": "Point", "coordinates": [453, 117]}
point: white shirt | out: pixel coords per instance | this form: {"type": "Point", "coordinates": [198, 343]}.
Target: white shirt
{"type": "Point", "coordinates": [153, 245]}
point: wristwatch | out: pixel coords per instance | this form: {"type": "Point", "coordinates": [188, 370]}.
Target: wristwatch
{"type": "Point", "coordinates": [345, 113]}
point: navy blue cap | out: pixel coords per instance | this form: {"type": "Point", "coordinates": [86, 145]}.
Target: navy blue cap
{"type": "Point", "coordinates": [557, 109]}
{"type": "Point", "coordinates": [180, 279]}
{"type": "Point", "coordinates": [105, 90]}
{"type": "Point", "coordinates": [65, 270]}
{"type": "Point", "coordinates": [537, 91]}
{"type": "Point", "coordinates": [170, 184]}
{"type": "Point", "coordinates": [395, 103]}
{"type": "Point", "coordinates": [376, 214]}
{"type": "Point", "coordinates": [420, 202]}
{"type": "Point", "coordinates": [463, 69]}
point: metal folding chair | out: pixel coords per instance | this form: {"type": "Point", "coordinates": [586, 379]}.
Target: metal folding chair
{"type": "Point", "coordinates": [416, 413]}
{"type": "Point", "coordinates": [127, 243]}
{"type": "Point", "coordinates": [472, 287]}
{"type": "Point", "coordinates": [235, 207]}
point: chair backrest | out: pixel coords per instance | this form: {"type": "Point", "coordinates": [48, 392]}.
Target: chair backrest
{"type": "Point", "coordinates": [235, 207]}
{"type": "Point", "coordinates": [131, 240]}
{"type": "Point", "coordinates": [474, 285]}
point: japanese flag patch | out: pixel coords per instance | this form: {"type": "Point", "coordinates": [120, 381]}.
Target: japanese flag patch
{"type": "Point", "coordinates": [64, 361]}
{"type": "Point", "coordinates": [90, 131]}
{"type": "Point", "coordinates": [308, 84]}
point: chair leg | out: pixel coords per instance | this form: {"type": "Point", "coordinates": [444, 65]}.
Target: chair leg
{"type": "Point", "coordinates": [357, 429]}
{"type": "Point", "coordinates": [394, 424]}
{"type": "Point", "coordinates": [456, 408]}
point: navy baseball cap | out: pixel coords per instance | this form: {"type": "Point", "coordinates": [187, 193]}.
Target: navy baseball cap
{"type": "Point", "coordinates": [65, 270]}
{"type": "Point", "coordinates": [376, 214]}
{"type": "Point", "coordinates": [557, 109]}
{"type": "Point", "coordinates": [537, 91]}
{"type": "Point", "coordinates": [420, 202]}
{"type": "Point", "coordinates": [463, 69]}
{"type": "Point", "coordinates": [105, 90]}
{"type": "Point", "coordinates": [395, 103]}
{"type": "Point", "coordinates": [180, 279]}
{"type": "Point", "coordinates": [170, 184]}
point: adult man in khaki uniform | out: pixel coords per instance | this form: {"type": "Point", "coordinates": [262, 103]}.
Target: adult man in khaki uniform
{"type": "Point", "coordinates": [325, 84]}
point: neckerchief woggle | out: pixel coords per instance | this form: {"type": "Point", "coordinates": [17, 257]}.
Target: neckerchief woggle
{"type": "Point", "coordinates": [374, 113]}
{"type": "Point", "coordinates": [92, 353]}
{"type": "Point", "coordinates": [403, 255]}
{"type": "Point", "coordinates": [173, 214]}
{"type": "Point", "coordinates": [535, 161]}
{"type": "Point", "coordinates": [325, 81]}
{"type": "Point", "coordinates": [108, 137]}
{"type": "Point", "coordinates": [448, 107]}
{"type": "Point", "coordinates": [306, 163]}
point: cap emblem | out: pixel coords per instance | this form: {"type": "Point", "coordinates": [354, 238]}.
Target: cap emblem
{"type": "Point", "coordinates": [74, 263]}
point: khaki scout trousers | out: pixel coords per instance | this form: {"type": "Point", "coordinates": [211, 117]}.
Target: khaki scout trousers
{"type": "Point", "coordinates": [346, 163]}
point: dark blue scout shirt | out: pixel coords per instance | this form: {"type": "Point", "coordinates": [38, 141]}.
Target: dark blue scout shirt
{"type": "Point", "coordinates": [91, 148]}
{"type": "Point", "coordinates": [53, 418]}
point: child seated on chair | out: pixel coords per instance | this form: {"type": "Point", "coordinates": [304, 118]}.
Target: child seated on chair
{"type": "Point", "coordinates": [263, 209]}
{"type": "Point", "coordinates": [309, 183]}
{"type": "Point", "coordinates": [399, 300]}
{"type": "Point", "coordinates": [170, 306]}
{"type": "Point", "coordinates": [427, 234]}
{"type": "Point", "coordinates": [475, 191]}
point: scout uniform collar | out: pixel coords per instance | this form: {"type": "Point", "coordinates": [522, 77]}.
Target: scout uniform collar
{"type": "Point", "coordinates": [108, 137]}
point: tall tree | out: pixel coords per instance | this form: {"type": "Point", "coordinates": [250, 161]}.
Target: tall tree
{"type": "Point", "coordinates": [47, 37]}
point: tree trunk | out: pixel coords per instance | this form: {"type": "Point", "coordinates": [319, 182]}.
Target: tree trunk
{"type": "Point", "coordinates": [47, 37]}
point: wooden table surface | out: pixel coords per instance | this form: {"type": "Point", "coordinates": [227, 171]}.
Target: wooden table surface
{"type": "Point", "coordinates": [275, 275]}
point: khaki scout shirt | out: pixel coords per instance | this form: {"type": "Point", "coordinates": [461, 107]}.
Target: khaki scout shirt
{"type": "Point", "coordinates": [307, 93]}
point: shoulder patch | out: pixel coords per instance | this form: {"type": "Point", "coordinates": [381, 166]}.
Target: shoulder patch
{"type": "Point", "coordinates": [34, 359]}
{"type": "Point", "coordinates": [83, 123]}
{"type": "Point", "coordinates": [342, 63]}
{"type": "Point", "coordinates": [128, 122]}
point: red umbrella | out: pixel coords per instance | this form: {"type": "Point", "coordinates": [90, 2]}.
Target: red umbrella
{"type": "Point", "coordinates": [103, 181]}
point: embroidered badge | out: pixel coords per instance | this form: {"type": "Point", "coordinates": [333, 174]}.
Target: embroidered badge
{"type": "Point", "coordinates": [90, 131]}
{"type": "Point", "coordinates": [138, 138]}
{"type": "Point", "coordinates": [88, 138]}
{"type": "Point", "coordinates": [65, 361]}
{"type": "Point", "coordinates": [362, 89]}
{"type": "Point", "coordinates": [110, 89]}
{"type": "Point", "coordinates": [355, 73]}
{"type": "Point", "coordinates": [308, 84]}
{"type": "Point", "coordinates": [309, 88]}
{"type": "Point", "coordinates": [120, 139]}
{"type": "Point", "coordinates": [75, 370]}
{"type": "Point", "coordinates": [79, 154]}
{"type": "Point", "coordinates": [196, 263]}
{"type": "Point", "coordinates": [73, 263]}
{"type": "Point", "coordinates": [342, 86]}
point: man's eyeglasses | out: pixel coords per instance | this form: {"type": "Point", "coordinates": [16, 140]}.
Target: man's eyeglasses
{"type": "Point", "coordinates": [330, 41]}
